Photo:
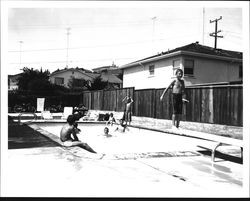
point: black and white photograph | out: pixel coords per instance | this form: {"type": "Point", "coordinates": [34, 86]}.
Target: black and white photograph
{"type": "Point", "coordinates": [125, 99]}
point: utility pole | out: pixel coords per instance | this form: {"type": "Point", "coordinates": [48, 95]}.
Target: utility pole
{"type": "Point", "coordinates": [214, 34]}
{"type": "Point", "coordinates": [67, 60]}
{"type": "Point", "coordinates": [20, 56]}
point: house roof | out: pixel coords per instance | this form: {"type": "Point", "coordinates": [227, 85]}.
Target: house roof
{"type": "Point", "coordinates": [105, 76]}
{"type": "Point", "coordinates": [108, 77]}
{"type": "Point", "coordinates": [194, 48]}
{"type": "Point", "coordinates": [105, 68]}
{"type": "Point", "coordinates": [80, 70]}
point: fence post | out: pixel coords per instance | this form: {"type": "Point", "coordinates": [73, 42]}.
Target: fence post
{"type": "Point", "coordinates": [211, 106]}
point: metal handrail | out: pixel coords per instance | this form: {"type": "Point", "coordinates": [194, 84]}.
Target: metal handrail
{"type": "Point", "coordinates": [19, 116]}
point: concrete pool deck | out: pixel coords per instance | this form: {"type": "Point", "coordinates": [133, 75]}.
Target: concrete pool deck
{"type": "Point", "coordinates": [38, 166]}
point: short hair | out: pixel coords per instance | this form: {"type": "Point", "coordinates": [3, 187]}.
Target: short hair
{"type": "Point", "coordinates": [179, 70]}
{"type": "Point", "coordinates": [106, 128]}
{"type": "Point", "coordinates": [77, 116]}
{"type": "Point", "coordinates": [71, 119]}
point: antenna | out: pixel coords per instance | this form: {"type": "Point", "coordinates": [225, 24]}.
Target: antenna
{"type": "Point", "coordinates": [203, 26]}
{"type": "Point", "coordinates": [68, 33]}
{"type": "Point", "coordinates": [20, 57]}
{"type": "Point", "coordinates": [153, 19]}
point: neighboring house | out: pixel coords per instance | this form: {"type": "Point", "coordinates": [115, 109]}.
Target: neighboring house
{"type": "Point", "coordinates": [113, 81]}
{"type": "Point", "coordinates": [13, 81]}
{"type": "Point", "coordinates": [201, 65]}
{"type": "Point", "coordinates": [111, 74]}
{"type": "Point", "coordinates": [62, 77]}
{"type": "Point", "coordinates": [113, 69]}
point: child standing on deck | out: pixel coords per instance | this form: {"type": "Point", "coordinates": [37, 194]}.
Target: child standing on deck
{"type": "Point", "coordinates": [178, 90]}
{"type": "Point", "coordinates": [128, 109]}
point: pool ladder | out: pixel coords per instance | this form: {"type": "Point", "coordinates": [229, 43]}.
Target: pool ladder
{"type": "Point", "coordinates": [19, 117]}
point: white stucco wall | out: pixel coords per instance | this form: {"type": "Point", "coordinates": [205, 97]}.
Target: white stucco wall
{"type": "Point", "coordinates": [205, 71]}
{"type": "Point", "coordinates": [210, 71]}
{"type": "Point", "coordinates": [140, 78]}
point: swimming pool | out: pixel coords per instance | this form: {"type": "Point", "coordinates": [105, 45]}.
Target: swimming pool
{"type": "Point", "coordinates": [134, 142]}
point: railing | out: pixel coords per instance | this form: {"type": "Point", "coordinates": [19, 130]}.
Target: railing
{"type": "Point", "coordinates": [22, 113]}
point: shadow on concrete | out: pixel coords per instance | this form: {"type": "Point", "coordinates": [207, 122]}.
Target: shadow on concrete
{"type": "Point", "coordinates": [22, 136]}
{"type": "Point", "coordinates": [219, 156]}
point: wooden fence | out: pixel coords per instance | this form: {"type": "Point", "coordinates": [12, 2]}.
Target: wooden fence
{"type": "Point", "coordinates": [208, 104]}
{"type": "Point", "coordinates": [110, 100]}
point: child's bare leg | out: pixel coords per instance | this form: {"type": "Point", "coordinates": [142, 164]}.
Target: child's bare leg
{"type": "Point", "coordinates": [173, 119]}
{"type": "Point", "coordinates": [84, 146]}
{"type": "Point", "coordinates": [88, 148]}
{"type": "Point", "coordinates": [178, 120]}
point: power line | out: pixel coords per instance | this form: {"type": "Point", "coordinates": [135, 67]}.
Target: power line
{"type": "Point", "coordinates": [104, 59]}
{"type": "Point", "coordinates": [82, 47]}
{"type": "Point", "coordinates": [121, 23]}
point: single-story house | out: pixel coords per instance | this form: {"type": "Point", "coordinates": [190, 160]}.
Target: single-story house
{"type": "Point", "coordinates": [113, 81]}
{"type": "Point", "coordinates": [111, 74]}
{"type": "Point", "coordinates": [113, 69]}
{"type": "Point", "coordinates": [62, 77]}
{"type": "Point", "coordinates": [201, 65]}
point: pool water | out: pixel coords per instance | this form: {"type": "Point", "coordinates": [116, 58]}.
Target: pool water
{"type": "Point", "coordinates": [133, 140]}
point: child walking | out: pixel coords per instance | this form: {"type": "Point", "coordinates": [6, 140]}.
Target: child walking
{"type": "Point", "coordinates": [178, 90]}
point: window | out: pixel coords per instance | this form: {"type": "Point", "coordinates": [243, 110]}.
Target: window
{"type": "Point", "coordinates": [59, 80]}
{"type": "Point", "coordinates": [151, 70]}
{"type": "Point", "coordinates": [189, 67]}
{"type": "Point", "coordinates": [176, 65]}
{"type": "Point", "coordinates": [240, 71]}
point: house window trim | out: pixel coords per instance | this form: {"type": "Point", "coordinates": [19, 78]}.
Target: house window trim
{"type": "Point", "coordinates": [176, 67]}
{"type": "Point", "coordinates": [184, 66]}
{"type": "Point", "coordinates": [151, 75]}
{"type": "Point", "coordinates": [62, 78]}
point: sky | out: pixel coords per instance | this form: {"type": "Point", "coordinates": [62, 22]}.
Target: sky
{"type": "Point", "coordinates": [55, 35]}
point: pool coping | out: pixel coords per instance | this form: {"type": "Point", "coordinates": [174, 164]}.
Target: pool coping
{"type": "Point", "coordinates": [181, 131]}
{"type": "Point", "coordinates": [80, 152]}
{"type": "Point", "coordinates": [73, 150]}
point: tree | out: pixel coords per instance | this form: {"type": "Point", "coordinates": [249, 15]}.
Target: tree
{"type": "Point", "coordinates": [98, 84]}
{"type": "Point", "coordinates": [76, 84]}
{"type": "Point", "coordinates": [37, 82]}
{"type": "Point", "coordinates": [32, 79]}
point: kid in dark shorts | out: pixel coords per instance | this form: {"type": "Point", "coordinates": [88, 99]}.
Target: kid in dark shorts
{"type": "Point", "coordinates": [178, 90]}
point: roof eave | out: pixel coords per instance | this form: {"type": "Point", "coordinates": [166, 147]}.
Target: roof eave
{"type": "Point", "coordinates": [179, 53]}
{"type": "Point", "coordinates": [211, 56]}
{"type": "Point", "coordinates": [151, 59]}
